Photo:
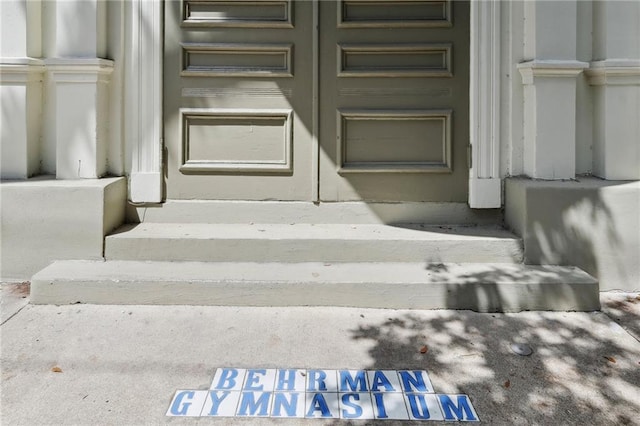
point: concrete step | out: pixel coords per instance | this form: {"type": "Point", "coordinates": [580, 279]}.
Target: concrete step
{"type": "Point", "coordinates": [312, 243]}
{"type": "Point", "coordinates": [484, 287]}
{"type": "Point", "coordinates": [360, 212]}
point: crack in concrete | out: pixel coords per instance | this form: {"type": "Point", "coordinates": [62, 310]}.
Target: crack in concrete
{"type": "Point", "coordinates": [14, 314]}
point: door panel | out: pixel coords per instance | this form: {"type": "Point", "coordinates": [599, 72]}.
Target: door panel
{"type": "Point", "coordinates": [237, 100]}
{"type": "Point", "coordinates": [394, 100]}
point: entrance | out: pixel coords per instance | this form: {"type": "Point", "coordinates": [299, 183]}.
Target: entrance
{"type": "Point", "coordinates": [317, 100]}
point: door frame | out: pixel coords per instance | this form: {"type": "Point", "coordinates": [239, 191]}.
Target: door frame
{"type": "Point", "coordinates": [143, 39]}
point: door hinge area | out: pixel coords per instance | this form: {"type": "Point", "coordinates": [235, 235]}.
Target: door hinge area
{"type": "Point", "coordinates": [470, 156]}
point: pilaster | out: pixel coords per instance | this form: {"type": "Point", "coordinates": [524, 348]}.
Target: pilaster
{"type": "Point", "coordinates": [550, 118]}
{"type": "Point", "coordinates": [78, 89]}
{"type": "Point", "coordinates": [81, 110]}
{"type": "Point", "coordinates": [615, 77]}
{"type": "Point", "coordinates": [549, 79]}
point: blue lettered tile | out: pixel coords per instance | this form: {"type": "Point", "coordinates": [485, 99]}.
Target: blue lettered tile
{"type": "Point", "coordinates": [290, 380]}
{"type": "Point", "coordinates": [187, 403]}
{"type": "Point", "coordinates": [415, 381]}
{"type": "Point", "coordinates": [355, 406]}
{"type": "Point", "coordinates": [254, 404]}
{"type": "Point", "coordinates": [423, 406]}
{"type": "Point", "coordinates": [230, 379]}
{"type": "Point", "coordinates": [457, 408]}
{"type": "Point", "coordinates": [322, 405]}
{"type": "Point", "coordinates": [259, 380]}
{"type": "Point", "coordinates": [389, 405]}
{"type": "Point", "coordinates": [352, 381]}
{"type": "Point", "coordinates": [384, 381]}
{"type": "Point", "coordinates": [322, 381]}
{"type": "Point", "coordinates": [221, 403]}
{"type": "Point", "coordinates": [288, 404]}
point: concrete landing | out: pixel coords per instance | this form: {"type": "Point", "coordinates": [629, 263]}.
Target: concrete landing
{"type": "Point", "coordinates": [486, 287]}
{"type": "Point", "coordinates": [312, 243]}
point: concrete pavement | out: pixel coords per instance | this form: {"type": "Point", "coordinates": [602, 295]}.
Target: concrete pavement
{"type": "Point", "coordinates": [122, 364]}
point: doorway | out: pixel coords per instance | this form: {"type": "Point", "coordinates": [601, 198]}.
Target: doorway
{"type": "Point", "coordinates": [317, 100]}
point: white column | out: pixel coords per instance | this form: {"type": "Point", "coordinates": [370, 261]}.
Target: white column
{"type": "Point", "coordinates": [20, 88]}
{"type": "Point", "coordinates": [550, 89]}
{"type": "Point", "coordinates": [79, 78]}
{"type": "Point", "coordinates": [615, 75]}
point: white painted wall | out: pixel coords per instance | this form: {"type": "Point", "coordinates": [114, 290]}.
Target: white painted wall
{"type": "Point", "coordinates": [584, 92]}
{"type": "Point", "coordinates": [115, 51]}
{"type": "Point", "coordinates": [512, 90]}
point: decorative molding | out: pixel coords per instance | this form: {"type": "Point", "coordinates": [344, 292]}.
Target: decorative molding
{"type": "Point", "coordinates": [393, 18]}
{"type": "Point", "coordinates": [440, 54]}
{"type": "Point", "coordinates": [221, 14]}
{"type": "Point", "coordinates": [484, 105]}
{"type": "Point", "coordinates": [78, 70]}
{"type": "Point", "coordinates": [393, 166]}
{"type": "Point", "coordinates": [143, 106]}
{"type": "Point", "coordinates": [21, 70]}
{"type": "Point", "coordinates": [550, 68]}
{"type": "Point", "coordinates": [618, 72]}
{"type": "Point", "coordinates": [266, 53]}
{"type": "Point", "coordinates": [199, 116]}
{"type": "Point", "coordinates": [237, 92]}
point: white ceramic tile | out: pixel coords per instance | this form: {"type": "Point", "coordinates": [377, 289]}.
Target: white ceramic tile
{"type": "Point", "coordinates": [415, 381]}
{"type": "Point", "coordinates": [229, 379]}
{"type": "Point", "coordinates": [288, 404]}
{"type": "Point", "coordinates": [221, 403]}
{"type": "Point", "coordinates": [356, 406]}
{"type": "Point", "coordinates": [389, 405]}
{"type": "Point", "coordinates": [187, 403]}
{"type": "Point", "coordinates": [262, 380]}
{"type": "Point", "coordinates": [352, 381]}
{"type": "Point", "coordinates": [322, 405]}
{"type": "Point", "coordinates": [457, 408]}
{"type": "Point", "coordinates": [384, 381]}
{"type": "Point", "coordinates": [290, 380]}
{"type": "Point", "coordinates": [254, 404]}
{"type": "Point", "coordinates": [423, 406]}
{"type": "Point", "coordinates": [322, 381]}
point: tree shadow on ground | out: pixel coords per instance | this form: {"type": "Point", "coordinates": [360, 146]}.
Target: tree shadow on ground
{"type": "Point", "coordinates": [585, 369]}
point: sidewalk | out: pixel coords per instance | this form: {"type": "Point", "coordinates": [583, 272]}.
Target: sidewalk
{"type": "Point", "coordinates": [123, 364]}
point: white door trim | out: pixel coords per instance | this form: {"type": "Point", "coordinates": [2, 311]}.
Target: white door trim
{"type": "Point", "coordinates": [144, 23]}
{"type": "Point", "coordinates": [484, 105]}
{"type": "Point", "coordinates": [143, 106]}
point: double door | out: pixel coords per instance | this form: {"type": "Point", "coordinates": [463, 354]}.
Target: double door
{"type": "Point", "coordinates": [316, 100]}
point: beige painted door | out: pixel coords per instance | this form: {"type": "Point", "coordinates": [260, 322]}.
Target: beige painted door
{"type": "Point", "coordinates": [392, 111]}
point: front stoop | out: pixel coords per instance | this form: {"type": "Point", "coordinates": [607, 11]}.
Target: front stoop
{"type": "Point", "coordinates": [353, 265]}
{"type": "Point", "coordinates": [483, 287]}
